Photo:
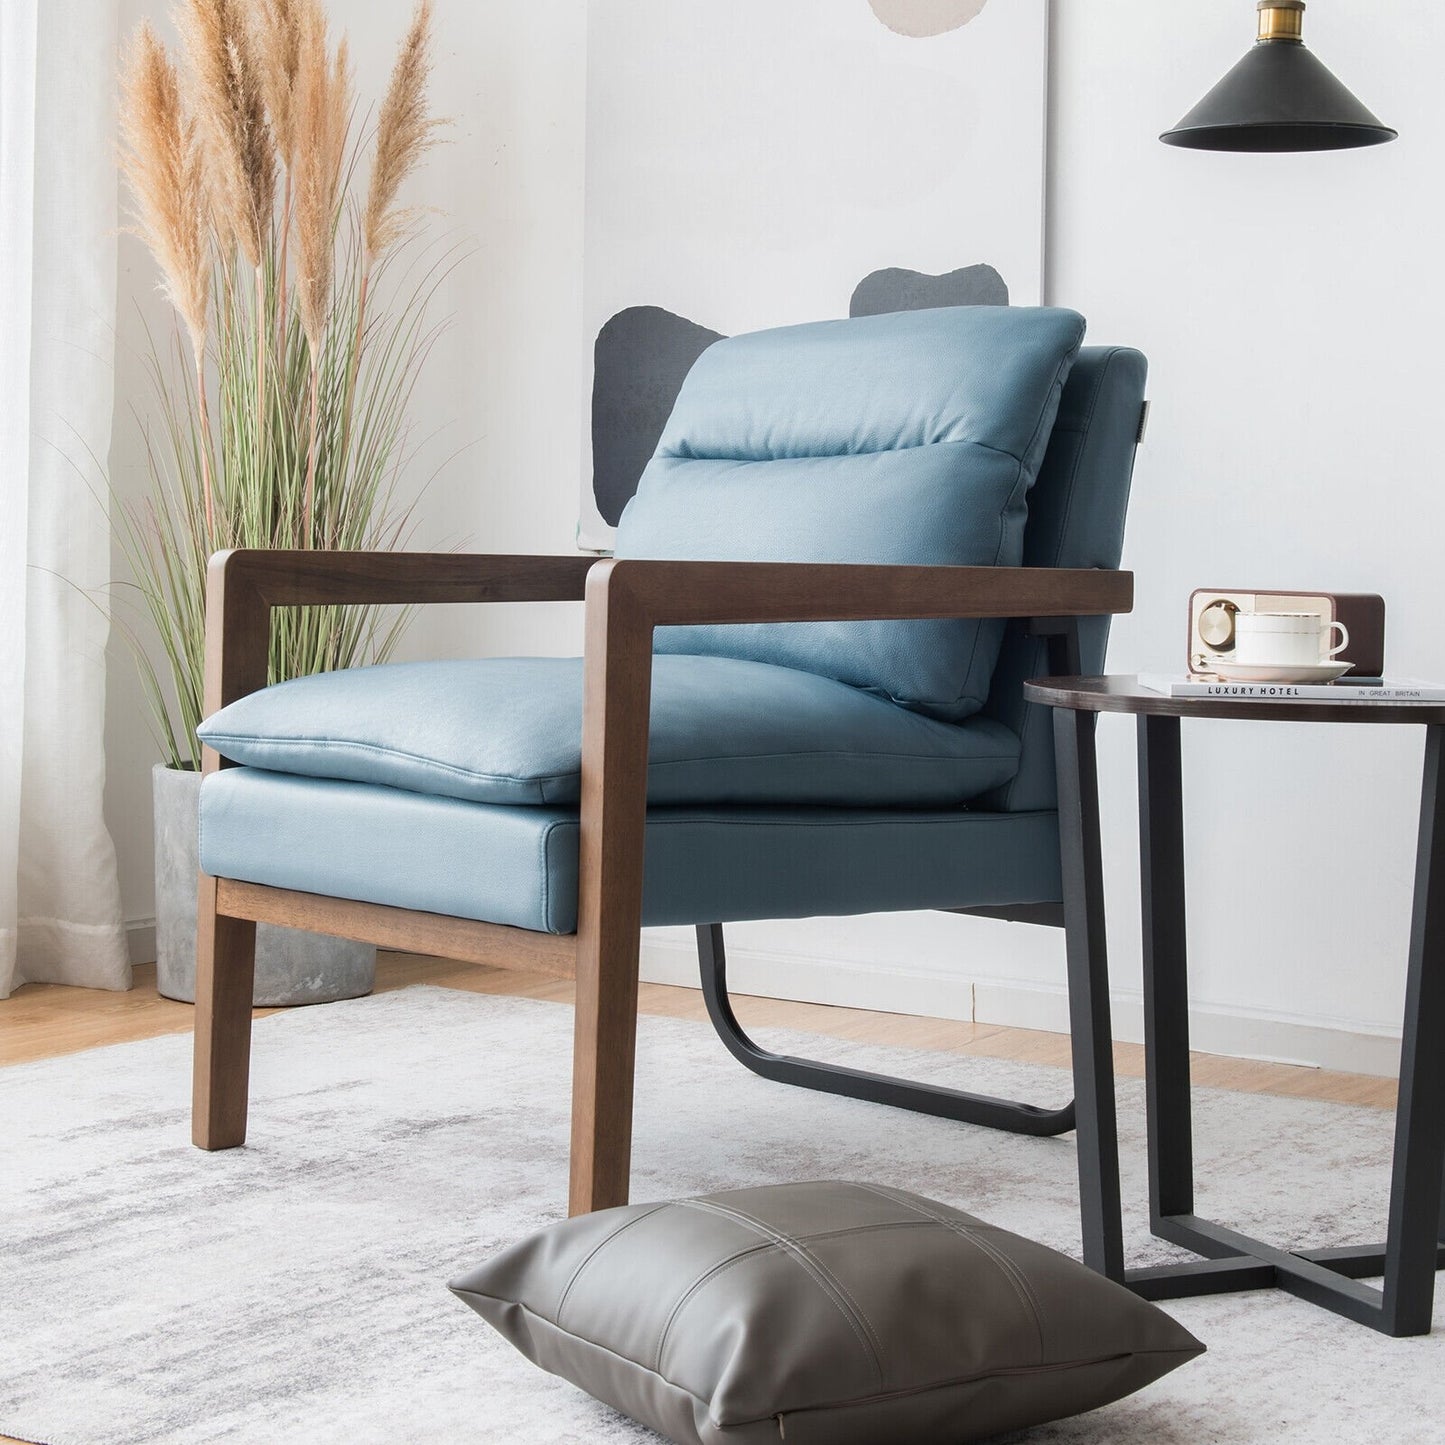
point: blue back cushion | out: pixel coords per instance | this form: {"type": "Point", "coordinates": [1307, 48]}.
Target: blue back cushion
{"type": "Point", "coordinates": [911, 437]}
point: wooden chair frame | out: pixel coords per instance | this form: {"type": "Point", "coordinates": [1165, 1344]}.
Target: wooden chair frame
{"type": "Point", "coordinates": [625, 599]}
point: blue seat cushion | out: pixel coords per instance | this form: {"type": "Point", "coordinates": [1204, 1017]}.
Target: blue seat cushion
{"type": "Point", "coordinates": [518, 866]}
{"type": "Point", "coordinates": [509, 731]}
{"type": "Point", "coordinates": [912, 437]}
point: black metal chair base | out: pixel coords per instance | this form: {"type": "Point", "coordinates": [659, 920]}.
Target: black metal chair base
{"type": "Point", "coordinates": [981, 1109]}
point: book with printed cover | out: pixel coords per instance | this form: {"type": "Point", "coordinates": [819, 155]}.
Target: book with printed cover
{"type": "Point", "coordinates": [1387, 689]}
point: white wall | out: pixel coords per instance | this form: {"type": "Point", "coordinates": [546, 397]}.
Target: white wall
{"type": "Point", "coordinates": [1289, 308]}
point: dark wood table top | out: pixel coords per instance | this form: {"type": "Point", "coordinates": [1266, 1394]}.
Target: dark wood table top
{"type": "Point", "coordinates": [1125, 694]}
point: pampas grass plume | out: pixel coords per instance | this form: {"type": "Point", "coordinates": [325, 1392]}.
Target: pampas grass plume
{"type": "Point", "coordinates": [320, 115]}
{"type": "Point", "coordinates": [231, 118]}
{"type": "Point", "coordinates": [404, 132]}
{"type": "Point", "coordinates": [163, 164]}
{"type": "Point", "coordinates": [276, 27]}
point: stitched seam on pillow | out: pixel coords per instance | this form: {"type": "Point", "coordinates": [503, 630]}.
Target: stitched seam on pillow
{"type": "Point", "coordinates": [1005, 1266]}
{"type": "Point", "coordinates": [723, 1265]}
{"type": "Point", "coordinates": [831, 1288]}
{"type": "Point", "coordinates": [1010, 1372]}
{"type": "Point", "coordinates": [1004, 1372]}
{"type": "Point", "coordinates": [1061, 372]}
{"type": "Point", "coordinates": [598, 1248]}
{"type": "Point", "coordinates": [843, 1289]}
{"type": "Point", "coordinates": [706, 1278]}
{"type": "Point", "coordinates": [801, 1246]}
{"type": "Point", "coordinates": [386, 750]}
{"type": "Point", "coordinates": [691, 456]}
{"type": "Point", "coordinates": [965, 1231]}
{"type": "Point", "coordinates": [608, 1349]}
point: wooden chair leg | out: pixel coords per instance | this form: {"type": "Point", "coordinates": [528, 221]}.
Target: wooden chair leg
{"type": "Point", "coordinates": [225, 974]}
{"type": "Point", "coordinates": [603, 1060]}
{"type": "Point", "coordinates": [616, 685]}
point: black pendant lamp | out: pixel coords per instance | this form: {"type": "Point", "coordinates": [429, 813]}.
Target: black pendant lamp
{"type": "Point", "coordinates": [1279, 98]}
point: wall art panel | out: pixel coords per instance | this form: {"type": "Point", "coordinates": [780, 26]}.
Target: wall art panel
{"type": "Point", "coordinates": [763, 162]}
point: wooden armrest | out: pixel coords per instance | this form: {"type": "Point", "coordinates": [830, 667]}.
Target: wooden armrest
{"type": "Point", "coordinates": [298, 578]}
{"type": "Point", "coordinates": [661, 593]}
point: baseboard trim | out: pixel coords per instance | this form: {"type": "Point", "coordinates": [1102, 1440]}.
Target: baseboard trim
{"type": "Point", "coordinates": [140, 940]}
{"type": "Point", "coordinates": [1234, 1033]}
{"type": "Point", "coordinates": [932, 993]}
{"type": "Point", "coordinates": [815, 980]}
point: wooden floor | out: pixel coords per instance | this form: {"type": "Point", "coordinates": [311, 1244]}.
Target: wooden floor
{"type": "Point", "coordinates": [42, 1021]}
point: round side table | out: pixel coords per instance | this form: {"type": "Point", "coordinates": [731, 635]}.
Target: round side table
{"type": "Point", "coordinates": [1331, 1278]}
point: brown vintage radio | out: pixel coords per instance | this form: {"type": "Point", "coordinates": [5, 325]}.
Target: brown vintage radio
{"type": "Point", "coordinates": [1212, 612]}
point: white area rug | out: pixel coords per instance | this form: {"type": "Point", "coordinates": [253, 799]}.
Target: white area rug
{"type": "Point", "coordinates": [295, 1290]}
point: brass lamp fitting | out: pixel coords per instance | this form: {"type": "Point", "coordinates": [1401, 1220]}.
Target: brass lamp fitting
{"type": "Point", "coordinates": [1281, 19]}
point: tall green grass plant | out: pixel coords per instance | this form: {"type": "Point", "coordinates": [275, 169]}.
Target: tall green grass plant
{"type": "Point", "coordinates": [281, 394]}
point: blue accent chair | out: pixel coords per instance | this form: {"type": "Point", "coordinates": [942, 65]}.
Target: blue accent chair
{"type": "Point", "coordinates": [801, 695]}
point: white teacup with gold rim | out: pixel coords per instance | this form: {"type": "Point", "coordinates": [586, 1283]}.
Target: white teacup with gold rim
{"type": "Point", "coordinates": [1286, 639]}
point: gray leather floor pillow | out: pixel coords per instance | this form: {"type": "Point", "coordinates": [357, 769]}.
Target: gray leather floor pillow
{"type": "Point", "coordinates": [821, 1314]}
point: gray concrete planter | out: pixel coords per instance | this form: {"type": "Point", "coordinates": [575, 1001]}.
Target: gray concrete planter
{"type": "Point", "coordinates": [292, 967]}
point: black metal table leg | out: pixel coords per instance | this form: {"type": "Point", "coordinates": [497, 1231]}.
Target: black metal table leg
{"type": "Point", "coordinates": [1166, 982]}
{"type": "Point", "coordinates": [1089, 1015]}
{"type": "Point", "coordinates": [1415, 1193]}
{"type": "Point", "coordinates": [1324, 1277]}
{"type": "Point", "coordinates": [1332, 1278]}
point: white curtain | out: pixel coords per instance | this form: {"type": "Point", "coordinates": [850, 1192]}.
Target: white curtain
{"type": "Point", "coordinates": [60, 918]}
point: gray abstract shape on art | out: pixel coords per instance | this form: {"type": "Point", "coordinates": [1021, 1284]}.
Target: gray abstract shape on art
{"type": "Point", "coordinates": [920, 19]}
{"type": "Point", "coordinates": [896, 289]}
{"type": "Point", "coordinates": [640, 359]}
{"type": "Point", "coordinates": [643, 353]}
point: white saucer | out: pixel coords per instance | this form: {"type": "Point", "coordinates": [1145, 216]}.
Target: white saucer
{"type": "Point", "coordinates": [1281, 672]}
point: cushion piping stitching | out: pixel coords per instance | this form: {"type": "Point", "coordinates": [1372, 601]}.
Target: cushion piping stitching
{"type": "Point", "coordinates": [462, 770]}
{"type": "Point", "coordinates": [673, 456]}
{"type": "Point", "coordinates": [597, 1249]}
{"type": "Point", "coordinates": [1015, 1371]}
{"type": "Point", "coordinates": [721, 1266]}
{"type": "Point", "coordinates": [1005, 1266]}
{"type": "Point", "coordinates": [794, 1242]}
{"type": "Point", "coordinates": [831, 1287]}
